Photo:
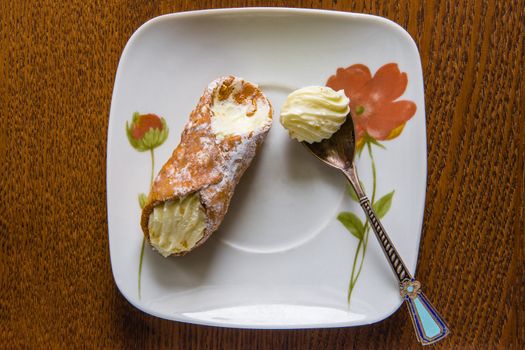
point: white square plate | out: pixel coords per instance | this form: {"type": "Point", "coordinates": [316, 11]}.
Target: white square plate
{"type": "Point", "coordinates": [281, 259]}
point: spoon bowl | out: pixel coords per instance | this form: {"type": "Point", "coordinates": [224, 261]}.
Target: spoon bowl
{"type": "Point", "coordinates": [337, 151]}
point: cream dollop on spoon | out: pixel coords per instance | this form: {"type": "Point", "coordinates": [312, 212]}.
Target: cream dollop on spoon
{"type": "Point", "coordinates": [314, 113]}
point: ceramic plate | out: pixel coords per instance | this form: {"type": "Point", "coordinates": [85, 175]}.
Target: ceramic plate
{"type": "Point", "coordinates": [282, 258]}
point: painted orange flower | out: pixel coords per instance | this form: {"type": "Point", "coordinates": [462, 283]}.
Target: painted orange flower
{"type": "Point", "coordinates": [373, 105]}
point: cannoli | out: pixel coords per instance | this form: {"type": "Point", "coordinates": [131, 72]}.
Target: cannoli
{"type": "Point", "coordinates": [191, 194]}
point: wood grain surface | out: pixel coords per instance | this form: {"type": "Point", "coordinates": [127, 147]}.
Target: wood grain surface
{"type": "Point", "coordinates": [57, 66]}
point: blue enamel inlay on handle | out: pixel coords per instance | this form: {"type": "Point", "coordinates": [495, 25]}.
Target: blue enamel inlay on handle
{"type": "Point", "coordinates": [430, 327]}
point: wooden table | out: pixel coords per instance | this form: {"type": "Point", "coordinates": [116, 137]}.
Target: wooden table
{"type": "Point", "coordinates": [58, 63]}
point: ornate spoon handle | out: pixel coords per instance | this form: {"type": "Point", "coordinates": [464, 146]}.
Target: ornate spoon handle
{"type": "Point", "coordinates": [397, 265]}
{"type": "Point", "coordinates": [429, 326]}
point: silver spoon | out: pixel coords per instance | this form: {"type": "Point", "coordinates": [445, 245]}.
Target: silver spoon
{"type": "Point", "coordinates": [338, 152]}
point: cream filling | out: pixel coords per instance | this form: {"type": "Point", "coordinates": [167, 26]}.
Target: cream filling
{"type": "Point", "coordinates": [231, 118]}
{"type": "Point", "coordinates": [314, 113]}
{"type": "Point", "coordinates": [175, 226]}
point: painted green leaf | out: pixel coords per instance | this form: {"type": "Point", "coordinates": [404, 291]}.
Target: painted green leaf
{"type": "Point", "coordinates": [142, 200]}
{"type": "Point", "coordinates": [352, 224]}
{"type": "Point", "coordinates": [351, 192]}
{"type": "Point", "coordinates": [382, 205]}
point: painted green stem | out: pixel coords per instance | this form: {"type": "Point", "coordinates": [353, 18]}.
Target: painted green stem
{"type": "Point", "coordinates": [367, 226]}
{"type": "Point", "coordinates": [363, 242]}
{"type": "Point", "coordinates": [351, 283]}
{"type": "Point", "coordinates": [369, 146]}
{"type": "Point", "coordinates": [140, 263]}
{"type": "Point", "coordinates": [152, 154]}
{"type": "Point", "coordinates": [153, 167]}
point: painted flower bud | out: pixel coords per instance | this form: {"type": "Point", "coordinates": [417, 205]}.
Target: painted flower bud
{"type": "Point", "coordinates": [146, 131]}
